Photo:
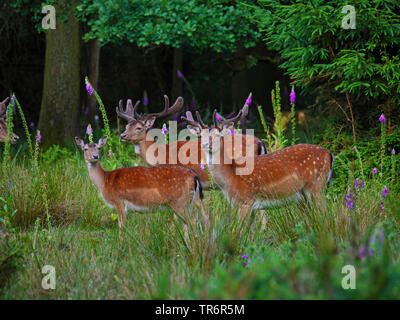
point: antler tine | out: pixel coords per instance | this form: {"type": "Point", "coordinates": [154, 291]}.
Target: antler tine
{"type": "Point", "coordinates": [232, 120]}
{"type": "Point", "coordinates": [189, 119]}
{"type": "Point", "coordinates": [203, 125]}
{"type": "Point", "coordinates": [245, 112]}
{"type": "Point", "coordinates": [3, 107]}
{"type": "Point", "coordinates": [129, 113]}
{"type": "Point", "coordinates": [167, 110]}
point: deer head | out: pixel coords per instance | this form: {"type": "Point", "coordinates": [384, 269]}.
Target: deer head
{"type": "Point", "coordinates": [3, 123]}
{"type": "Point", "coordinates": [91, 151]}
{"type": "Point", "coordinates": [210, 137]}
{"type": "Point", "coordinates": [139, 124]}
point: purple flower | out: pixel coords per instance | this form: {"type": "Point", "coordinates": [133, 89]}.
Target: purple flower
{"type": "Point", "coordinates": [248, 101]}
{"type": "Point", "coordinates": [96, 118]}
{"type": "Point", "coordinates": [109, 155]}
{"type": "Point", "coordinates": [89, 130]}
{"type": "Point", "coordinates": [218, 117]}
{"type": "Point", "coordinates": [164, 129]}
{"type": "Point", "coordinates": [382, 118]}
{"type": "Point", "coordinates": [89, 88]}
{"type": "Point", "coordinates": [374, 171]}
{"type": "Point", "coordinates": [245, 256]}
{"type": "Point", "coordinates": [381, 206]}
{"type": "Point", "coordinates": [381, 237]}
{"type": "Point", "coordinates": [193, 103]}
{"type": "Point", "coordinates": [354, 148]}
{"type": "Point", "coordinates": [371, 239]}
{"type": "Point", "coordinates": [175, 117]}
{"type": "Point", "coordinates": [32, 124]}
{"type": "Point", "coordinates": [370, 252]}
{"type": "Point", "coordinates": [180, 74]}
{"type": "Point", "coordinates": [363, 251]}
{"type": "Point", "coordinates": [202, 166]}
{"type": "Point", "coordinates": [384, 192]}
{"type": "Point", "coordinates": [145, 99]}
{"type": "Point", "coordinates": [232, 132]}
{"type": "Point", "coordinates": [292, 96]}
{"type": "Point", "coordinates": [393, 152]}
{"type": "Point", "coordinates": [8, 185]}
{"type": "Point", "coordinates": [86, 111]}
{"type": "Point", "coordinates": [356, 184]}
{"type": "Point", "coordinates": [39, 136]}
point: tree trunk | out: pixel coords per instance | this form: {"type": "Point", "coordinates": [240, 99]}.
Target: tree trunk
{"type": "Point", "coordinates": [176, 82]}
{"type": "Point", "coordinates": [62, 82]}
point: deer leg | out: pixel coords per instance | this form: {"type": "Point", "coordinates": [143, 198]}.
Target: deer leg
{"type": "Point", "coordinates": [179, 212]}
{"type": "Point", "coordinates": [121, 215]}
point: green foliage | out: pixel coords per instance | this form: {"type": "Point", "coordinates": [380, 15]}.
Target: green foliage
{"type": "Point", "coordinates": [218, 24]}
{"type": "Point", "coordinates": [318, 52]}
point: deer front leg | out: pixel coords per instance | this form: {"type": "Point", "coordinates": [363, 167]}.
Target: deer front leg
{"type": "Point", "coordinates": [121, 214]}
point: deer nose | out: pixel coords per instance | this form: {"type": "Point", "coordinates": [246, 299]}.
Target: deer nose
{"type": "Point", "coordinates": [123, 136]}
{"type": "Point", "coordinates": [95, 156]}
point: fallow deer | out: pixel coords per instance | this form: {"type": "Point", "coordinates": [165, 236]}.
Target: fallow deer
{"type": "Point", "coordinates": [142, 188]}
{"type": "Point", "coordinates": [136, 131]}
{"type": "Point", "coordinates": [292, 173]}
{"type": "Point", "coordinates": [3, 123]}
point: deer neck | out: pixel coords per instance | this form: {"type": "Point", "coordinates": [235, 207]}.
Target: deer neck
{"type": "Point", "coordinates": [142, 146]}
{"type": "Point", "coordinates": [97, 175]}
{"type": "Point", "coordinates": [220, 172]}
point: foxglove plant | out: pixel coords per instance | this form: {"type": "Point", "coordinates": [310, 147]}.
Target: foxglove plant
{"type": "Point", "coordinates": [293, 115]}
{"type": "Point", "coordinates": [382, 120]}
{"type": "Point", "coordinates": [91, 91]}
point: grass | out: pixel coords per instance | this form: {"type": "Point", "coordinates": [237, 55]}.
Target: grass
{"type": "Point", "coordinates": [298, 255]}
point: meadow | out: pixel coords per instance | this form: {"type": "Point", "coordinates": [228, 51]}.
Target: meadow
{"type": "Point", "coordinates": [51, 214]}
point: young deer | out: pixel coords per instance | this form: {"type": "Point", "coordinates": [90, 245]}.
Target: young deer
{"type": "Point", "coordinates": [136, 132]}
{"type": "Point", "coordinates": [3, 124]}
{"type": "Point", "coordinates": [288, 174]}
{"type": "Point", "coordinates": [142, 188]}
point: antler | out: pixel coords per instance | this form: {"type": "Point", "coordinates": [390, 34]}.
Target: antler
{"type": "Point", "coordinates": [189, 119]}
{"type": "Point", "coordinates": [221, 124]}
{"type": "Point", "coordinates": [167, 109]}
{"type": "Point", "coordinates": [3, 107]}
{"type": "Point", "coordinates": [130, 113]}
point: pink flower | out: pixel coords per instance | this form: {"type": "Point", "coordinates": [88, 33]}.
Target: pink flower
{"type": "Point", "coordinates": [384, 192]}
{"type": "Point", "coordinates": [202, 166]}
{"type": "Point", "coordinates": [89, 130]}
{"type": "Point", "coordinates": [292, 96]}
{"type": "Point", "coordinates": [89, 88]}
{"type": "Point", "coordinates": [248, 101]}
{"type": "Point", "coordinates": [374, 171]}
{"type": "Point", "coordinates": [382, 118]}
{"type": "Point", "coordinates": [232, 132]}
{"type": "Point", "coordinates": [164, 129]}
{"type": "Point", "coordinates": [218, 117]}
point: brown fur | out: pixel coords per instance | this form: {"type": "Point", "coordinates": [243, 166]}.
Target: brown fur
{"type": "Point", "coordinates": [136, 131]}
{"type": "Point", "coordinates": [144, 188]}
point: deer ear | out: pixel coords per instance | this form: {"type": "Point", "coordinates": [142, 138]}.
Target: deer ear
{"type": "Point", "coordinates": [79, 142]}
{"type": "Point", "coordinates": [194, 130]}
{"type": "Point", "coordinates": [102, 141]}
{"type": "Point", "coordinates": [149, 122]}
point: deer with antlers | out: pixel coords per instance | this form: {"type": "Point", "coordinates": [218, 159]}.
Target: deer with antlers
{"type": "Point", "coordinates": [136, 132]}
{"type": "Point", "coordinates": [289, 174]}
{"type": "Point", "coordinates": [142, 188]}
{"type": "Point", "coordinates": [3, 123]}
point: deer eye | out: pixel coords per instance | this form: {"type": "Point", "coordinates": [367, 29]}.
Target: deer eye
{"type": "Point", "coordinates": [139, 129]}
